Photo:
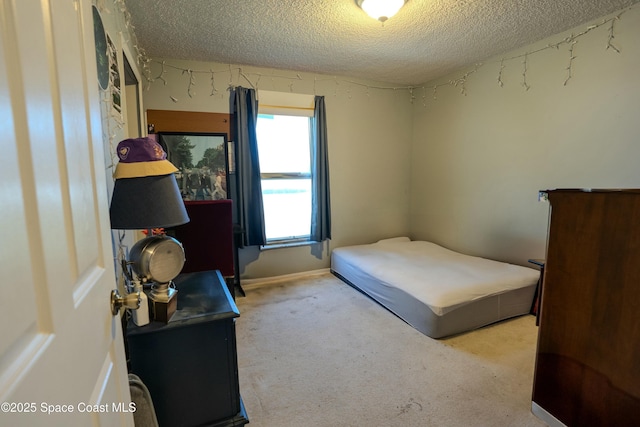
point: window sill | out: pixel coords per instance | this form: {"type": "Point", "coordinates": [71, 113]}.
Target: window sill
{"type": "Point", "coordinates": [287, 245]}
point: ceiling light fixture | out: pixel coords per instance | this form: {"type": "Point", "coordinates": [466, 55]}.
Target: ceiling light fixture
{"type": "Point", "coordinates": [381, 9]}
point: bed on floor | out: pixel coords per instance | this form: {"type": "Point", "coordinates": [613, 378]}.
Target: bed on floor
{"type": "Point", "coordinates": [436, 290]}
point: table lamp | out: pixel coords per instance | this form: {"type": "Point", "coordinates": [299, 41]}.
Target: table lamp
{"type": "Point", "coordinates": [146, 196]}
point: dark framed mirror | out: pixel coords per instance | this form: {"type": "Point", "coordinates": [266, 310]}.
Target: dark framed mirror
{"type": "Point", "coordinates": [202, 160]}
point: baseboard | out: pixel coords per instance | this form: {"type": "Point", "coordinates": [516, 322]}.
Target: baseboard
{"type": "Point", "coordinates": [539, 412]}
{"type": "Point", "coordinates": [266, 281]}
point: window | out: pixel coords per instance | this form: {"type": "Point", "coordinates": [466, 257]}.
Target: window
{"type": "Point", "coordinates": [284, 144]}
{"type": "Point", "coordinates": [285, 168]}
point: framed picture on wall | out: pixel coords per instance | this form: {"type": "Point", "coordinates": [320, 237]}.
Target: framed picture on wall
{"type": "Point", "coordinates": [231, 154]}
{"type": "Point", "coordinates": [202, 164]}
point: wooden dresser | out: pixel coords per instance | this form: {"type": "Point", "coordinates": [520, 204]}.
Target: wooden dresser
{"type": "Point", "coordinates": [587, 370]}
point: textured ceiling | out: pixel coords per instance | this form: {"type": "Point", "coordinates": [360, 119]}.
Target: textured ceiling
{"type": "Point", "coordinates": [425, 40]}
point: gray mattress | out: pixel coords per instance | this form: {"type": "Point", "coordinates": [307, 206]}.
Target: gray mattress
{"type": "Point", "coordinates": [455, 308]}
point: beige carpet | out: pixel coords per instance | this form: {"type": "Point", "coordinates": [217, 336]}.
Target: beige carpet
{"type": "Point", "coordinates": [313, 351]}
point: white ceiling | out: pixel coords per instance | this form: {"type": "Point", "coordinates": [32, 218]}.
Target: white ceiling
{"type": "Point", "coordinates": [425, 40]}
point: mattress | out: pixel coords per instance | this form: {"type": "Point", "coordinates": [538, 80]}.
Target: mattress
{"type": "Point", "coordinates": [438, 291]}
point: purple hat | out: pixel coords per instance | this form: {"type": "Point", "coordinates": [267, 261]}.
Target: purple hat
{"type": "Point", "coordinates": [142, 157]}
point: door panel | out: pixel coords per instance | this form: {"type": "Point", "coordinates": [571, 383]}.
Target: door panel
{"type": "Point", "coordinates": [60, 347]}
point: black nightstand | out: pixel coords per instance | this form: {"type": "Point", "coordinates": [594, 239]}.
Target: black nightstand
{"type": "Point", "coordinates": [190, 364]}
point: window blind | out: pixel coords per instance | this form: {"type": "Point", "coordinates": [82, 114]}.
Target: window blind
{"type": "Point", "coordinates": [285, 103]}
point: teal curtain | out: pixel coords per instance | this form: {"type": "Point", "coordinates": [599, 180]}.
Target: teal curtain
{"type": "Point", "coordinates": [250, 210]}
{"type": "Point", "coordinates": [321, 206]}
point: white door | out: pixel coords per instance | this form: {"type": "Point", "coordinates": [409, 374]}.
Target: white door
{"type": "Point", "coordinates": [62, 361]}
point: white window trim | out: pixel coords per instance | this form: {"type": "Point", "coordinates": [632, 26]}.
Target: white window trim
{"type": "Point", "coordinates": [286, 104]}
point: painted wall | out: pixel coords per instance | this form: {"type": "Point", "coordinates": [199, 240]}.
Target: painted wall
{"type": "Point", "coordinates": [119, 124]}
{"type": "Point", "coordinates": [478, 160]}
{"type": "Point", "coordinates": [369, 132]}
{"type": "Point", "coordinates": [462, 170]}
{"type": "Point", "coordinates": [116, 123]}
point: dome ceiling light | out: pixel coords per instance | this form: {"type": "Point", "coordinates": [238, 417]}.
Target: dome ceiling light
{"type": "Point", "coordinates": [381, 9]}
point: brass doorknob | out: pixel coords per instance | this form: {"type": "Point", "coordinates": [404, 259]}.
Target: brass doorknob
{"type": "Point", "coordinates": [131, 301]}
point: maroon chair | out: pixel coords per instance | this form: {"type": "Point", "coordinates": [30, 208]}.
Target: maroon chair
{"type": "Point", "coordinates": [208, 237]}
